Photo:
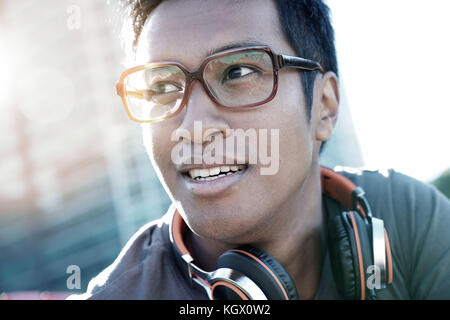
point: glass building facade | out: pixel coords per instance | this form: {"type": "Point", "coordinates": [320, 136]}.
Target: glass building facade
{"type": "Point", "coordinates": [75, 180]}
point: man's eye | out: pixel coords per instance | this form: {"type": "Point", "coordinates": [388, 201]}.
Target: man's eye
{"type": "Point", "coordinates": [237, 72]}
{"type": "Point", "coordinates": [164, 88]}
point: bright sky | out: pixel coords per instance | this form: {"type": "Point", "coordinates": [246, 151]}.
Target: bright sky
{"type": "Point", "coordinates": [394, 58]}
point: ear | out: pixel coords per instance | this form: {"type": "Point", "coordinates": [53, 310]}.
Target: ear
{"type": "Point", "coordinates": [328, 106]}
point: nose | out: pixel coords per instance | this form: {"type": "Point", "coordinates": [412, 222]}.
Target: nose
{"type": "Point", "coordinates": [202, 119]}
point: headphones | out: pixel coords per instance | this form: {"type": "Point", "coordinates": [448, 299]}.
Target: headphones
{"type": "Point", "coordinates": [356, 241]}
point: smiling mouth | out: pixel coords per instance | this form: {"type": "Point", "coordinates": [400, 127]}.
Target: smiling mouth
{"type": "Point", "coordinates": [214, 173]}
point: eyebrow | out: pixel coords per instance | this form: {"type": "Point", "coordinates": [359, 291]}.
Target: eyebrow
{"type": "Point", "coordinates": [234, 45]}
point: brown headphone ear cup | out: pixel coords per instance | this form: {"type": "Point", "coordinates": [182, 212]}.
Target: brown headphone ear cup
{"type": "Point", "coordinates": [343, 256]}
{"type": "Point", "coordinates": [264, 270]}
{"type": "Point", "coordinates": [351, 254]}
{"type": "Point", "coordinates": [364, 235]}
{"type": "Point", "coordinates": [389, 269]}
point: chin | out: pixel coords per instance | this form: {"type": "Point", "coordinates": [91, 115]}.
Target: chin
{"type": "Point", "coordinates": [232, 223]}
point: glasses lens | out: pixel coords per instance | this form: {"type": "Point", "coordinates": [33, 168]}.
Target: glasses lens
{"type": "Point", "coordinates": [240, 79]}
{"type": "Point", "coordinates": [155, 93]}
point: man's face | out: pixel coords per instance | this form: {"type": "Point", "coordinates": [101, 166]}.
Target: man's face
{"type": "Point", "coordinates": [243, 206]}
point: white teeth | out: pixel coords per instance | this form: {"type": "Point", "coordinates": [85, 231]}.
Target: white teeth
{"type": "Point", "coordinates": [214, 173]}
{"type": "Point", "coordinates": [204, 173]}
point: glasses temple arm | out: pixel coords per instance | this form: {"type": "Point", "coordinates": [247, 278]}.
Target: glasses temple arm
{"type": "Point", "coordinates": [136, 94]}
{"type": "Point", "coordinates": [140, 94]}
{"type": "Point", "coordinates": [300, 63]}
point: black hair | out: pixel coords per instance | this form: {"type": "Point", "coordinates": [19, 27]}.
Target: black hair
{"type": "Point", "coordinates": [307, 26]}
{"type": "Point", "coordinates": [305, 23]}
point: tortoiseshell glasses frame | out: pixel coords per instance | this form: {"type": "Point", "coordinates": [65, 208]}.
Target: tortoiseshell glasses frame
{"type": "Point", "coordinates": [278, 61]}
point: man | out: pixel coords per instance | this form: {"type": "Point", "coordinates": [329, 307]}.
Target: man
{"type": "Point", "coordinates": [264, 66]}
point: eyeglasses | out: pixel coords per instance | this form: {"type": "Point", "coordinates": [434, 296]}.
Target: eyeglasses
{"type": "Point", "coordinates": [237, 78]}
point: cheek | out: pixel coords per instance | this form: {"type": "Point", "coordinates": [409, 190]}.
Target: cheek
{"type": "Point", "coordinates": [295, 135]}
{"type": "Point", "coordinates": [158, 144]}
{"type": "Point", "coordinates": [296, 142]}
{"type": "Point", "coordinates": [297, 130]}
{"type": "Point", "coordinates": [295, 151]}
{"type": "Point", "coordinates": [150, 138]}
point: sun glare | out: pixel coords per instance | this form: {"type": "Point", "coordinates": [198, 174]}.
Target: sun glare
{"type": "Point", "coordinates": [394, 65]}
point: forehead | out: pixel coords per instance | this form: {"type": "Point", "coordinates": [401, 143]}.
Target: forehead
{"type": "Point", "coordinates": [189, 30]}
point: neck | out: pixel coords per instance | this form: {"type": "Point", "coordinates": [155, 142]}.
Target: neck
{"type": "Point", "coordinates": [296, 240]}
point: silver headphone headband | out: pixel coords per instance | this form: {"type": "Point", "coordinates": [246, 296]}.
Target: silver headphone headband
{"type": "Point", "coordinates": [244, 283]}
{"type": "Point", "coordinates": [379, 250]}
